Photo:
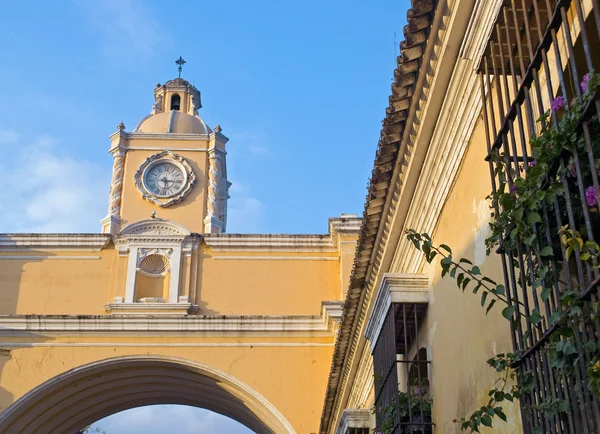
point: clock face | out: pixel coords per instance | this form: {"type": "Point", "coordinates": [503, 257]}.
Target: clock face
{"type": "Point", "coordinates": [164, 179]}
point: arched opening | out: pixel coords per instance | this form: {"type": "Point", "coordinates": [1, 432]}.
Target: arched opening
{"type": "Point", "coordinates": [175, 102]}
{"type": "Point", "coordinates": [81, 396]}
{"type": "Point", "coordinates": [180, 419]}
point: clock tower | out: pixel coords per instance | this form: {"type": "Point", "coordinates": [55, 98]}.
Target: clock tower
{"type": "Point", "coordinates": [170, 167]}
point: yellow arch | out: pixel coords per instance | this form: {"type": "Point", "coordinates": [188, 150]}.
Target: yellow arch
{"type": "Point", "coordinates": [90, 392]}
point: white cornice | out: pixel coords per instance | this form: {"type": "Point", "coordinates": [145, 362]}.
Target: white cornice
{"type": "Point", "coordinates": [150, 308]}
{"type": "Point", "coordinates": [233, 242]}
{"type": "Point", "coordinates": [44, 257]}
{"type": "Point", "coordinates": [88, 242]}
{"type": "Point", "coordinates": [353, 418]}
{"type": "Point", "coordinates": [277, 258]}
{"type": "Point", "coordinates": [174, 323]}
{"type": "Point", "coordinates": [395, 288]}
{"type": "Point", "coordinates": [167, 136]}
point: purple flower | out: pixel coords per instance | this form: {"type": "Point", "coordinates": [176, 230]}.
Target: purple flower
{"type": "Point", "coordinates": [531, 163]}
{"type": "Point", "coordinates": [513, 188]}
{"type": "Point", "coordinates": [573, 170]}
{"type": "Point", "coordinates": [584, 83]}
{"type": "Point", "coordinates": [558, 103]}
{"type": "Point", "coordinates": [590, 196]}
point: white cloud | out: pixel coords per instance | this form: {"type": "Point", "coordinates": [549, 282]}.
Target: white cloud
{"type": "Point", "coordinates": [245, 212]}
{"type": "Point", "coordinates": [127, 28]}
{"type": "Point", "coordinates": [169, 418]}
{"type": "Point", "coordinates": [250, 142]}
{"type": "Point", "coordinates": [47, 190]}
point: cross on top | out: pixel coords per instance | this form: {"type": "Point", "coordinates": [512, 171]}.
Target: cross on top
{"type": "Point", "coordinates": [180, 62]}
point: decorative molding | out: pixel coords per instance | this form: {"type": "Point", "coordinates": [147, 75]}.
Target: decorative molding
{"type": "Point", "coordinates": [44, 257]}
{"type": "Point", "coordinates": [116, 188]}
{"type": "Point", "coordinates": [347, 224]}
{"type": "Point", "coordinates": [165, 344]}
{"type": "Point", "coordinates": [154, 228]}
{"type": "Point", "coordinates": [88, 242]}
{"type": "Point", "coordinates": [111, 224]}
{"type": "Point", "coordinates": [353, 418]}
{"type": "Point", "coordinates": [174, 323]}
{"type": "Point", "coordinates": [332, 310]}
{"type": "Point", "coordinates": [395, 288]}
{"type": "Point", "coordinates": [155, 148]}
{"type": "Point", "coordinates": [479, 29]}
{"type": "Point", "coordinates": [266, 242]}
{"type": "Point", "coordinates": [169, 156]}
{"type": "Point", "coordinates": [217, 193]}
{"type": "Point", "coordinates": [277, 258]}
{"type": "Point", "coordinates": [142, 308]}
{"type": "Point", "coordinates": [363, 380]}
{"type": "Point", "coordinates": [167, 136]}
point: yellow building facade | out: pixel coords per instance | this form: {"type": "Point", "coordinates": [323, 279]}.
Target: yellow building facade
{"type": "Point", "coordinates": [163, 306]}
{"type": "Point", "coordinates": [325, 333]}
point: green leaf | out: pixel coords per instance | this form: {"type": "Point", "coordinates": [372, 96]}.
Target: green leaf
{"type": "Point", "coordinates": [432, 255]}
{"type": "Point", "coordinates": [546, 293]}
{"type": "Point", "coordinates": [530, 239]}
{"type": "Point", "coordinates": [486, 420]}
{"type": "Point", "coordinates": [555, 317]}
{"type": "Point", "coordinates": [465, 283]}
{"type": "Point", "coordinates": [518, 214]}
{"type": "Point", "coordinates": [460, 278]}
{"type": "Point", "coordinates": [569, 348]}
{"type": "Point", "coordinates": [475, 270]}
{"type": "Point", "coordinates": [585, 256]}
{"type": "Point", "coordinates": [445, 247]}
{"type": "Point", "coordinates": [484, 295]}
{"type": "Point", "coordinates": [500, 290]}
{"type": "Point", "coordinates": [546, 251]}
{"type": "Point", "coordinates": [508, 312]}
{"type": "Point", "coordinates": [500, 413]}
{"type": "Point", "coordinates": [535, 317]}
{"type": "Point", "coordinates": [466, 261]}
{"type": "Point", "coordinates": [533, 217]}
{"type": "Point", "coordinates": [508, 396]}
{"type": "Point", "coordinates": [453, 272]}
{"type": "Point", "coordinates": [563, 406]}
{"type": "Point", "coordinates": [492, 303]}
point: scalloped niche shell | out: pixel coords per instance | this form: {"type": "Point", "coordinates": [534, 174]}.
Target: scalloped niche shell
{"type": "Point", "coordinates": [155, 264]}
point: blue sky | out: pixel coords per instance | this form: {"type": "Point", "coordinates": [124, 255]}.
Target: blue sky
{"type": "Point", "coordinates": [300, 88]}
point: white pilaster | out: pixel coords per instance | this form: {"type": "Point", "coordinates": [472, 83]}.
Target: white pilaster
{"type": "Point", "coordinates": [131, 275]}
{"type": "Point", "coordinates": [175, 273]}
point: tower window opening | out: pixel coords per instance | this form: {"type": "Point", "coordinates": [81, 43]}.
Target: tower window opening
{"type": "Point", "coordinates": [175, 102]}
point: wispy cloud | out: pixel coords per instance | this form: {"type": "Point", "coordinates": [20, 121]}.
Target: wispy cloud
{"type": "Point", "coordinates": [47, 190]}
{"type": "Point", "coordinates": [245, 213]}
{"type": "Point", "coordinates": [126, 27]}
{"type": "Point", "coordinates": [250, 142]}
{"type": "Point", "coordinates": [159, 419]}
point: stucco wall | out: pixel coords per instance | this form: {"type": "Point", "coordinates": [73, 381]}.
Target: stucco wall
{"type": "Point", "coordinates": [461, 337]}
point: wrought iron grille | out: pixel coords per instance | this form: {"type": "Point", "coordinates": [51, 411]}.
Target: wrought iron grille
{"type": "Point", "coordinates": [536, 62]}
{"type": "Point", "coordinates": [402, 401]}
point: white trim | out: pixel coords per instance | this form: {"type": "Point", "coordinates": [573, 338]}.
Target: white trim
{"type": "Point", "coordinates": [278, 258]}
{"type": "Point", "coordinates": [150, 308]}
{"type": "Point", "coordinates": [158, 148]}
{"type": "Point", "coordinates": [131, 275]}
{"type": "Point", "coordinates": [265, 242]}
{"type": "Point", "coordinates": [174, 344]}
{"type": "Point", "coordinates": [44, 257]}
{"type": "Point", "coordinates": [395, 288]}
{"type": "Point", "coordinates": [353, 418]}
{"type": "Point", "coordinates": [175, 274]}
{"type": "Point", "coordinates": [11, 324]}
{"type": "Point", "coordinates": [167, 136]}
{"type": "Point", "coordinates": [90, 242]}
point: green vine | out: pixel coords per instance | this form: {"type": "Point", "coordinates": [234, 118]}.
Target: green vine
{"type": "Point", "coordinates": [522, 229]}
